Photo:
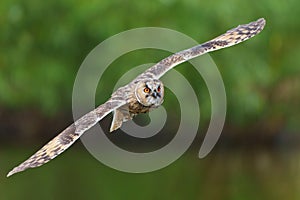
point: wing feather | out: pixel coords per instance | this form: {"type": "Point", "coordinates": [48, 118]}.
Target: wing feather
{"type": "Point", "coordinates": [230, 38]}
{"type": "Point", "coordinates": [67, 137]}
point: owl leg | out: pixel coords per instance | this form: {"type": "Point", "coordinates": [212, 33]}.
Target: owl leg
{"type": "Point", "coordinates": [120, 115]}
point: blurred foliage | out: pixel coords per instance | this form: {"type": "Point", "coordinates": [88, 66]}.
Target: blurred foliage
{"type": "Point", "coordinates": [44, 43]}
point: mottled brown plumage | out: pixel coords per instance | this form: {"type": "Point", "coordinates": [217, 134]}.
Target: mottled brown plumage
{"type": "Point", "coordinates": [141, 95]}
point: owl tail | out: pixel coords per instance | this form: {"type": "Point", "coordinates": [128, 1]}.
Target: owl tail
{"type": "Point", "coordinates": [120, 115]}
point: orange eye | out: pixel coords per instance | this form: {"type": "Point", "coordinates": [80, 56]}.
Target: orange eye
{"type": "Point", "coordinates": [146, 90]}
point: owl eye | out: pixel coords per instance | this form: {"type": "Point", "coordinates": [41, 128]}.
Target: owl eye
{"type": "Point", "coordinates": [158, 89]}
{"type": "Point", "coordinates": [146, 90]}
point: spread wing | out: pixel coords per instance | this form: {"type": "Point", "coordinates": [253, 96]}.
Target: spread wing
{"type": "Point", "coordinates": [230, 38]}
{"type": "Point", "coordinates": [66, 138]}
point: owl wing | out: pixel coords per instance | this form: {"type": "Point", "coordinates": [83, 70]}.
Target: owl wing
{"type": "Point", "coordinates": [230, 38]}
{"type": "Point", "coordinates": [66, 138]}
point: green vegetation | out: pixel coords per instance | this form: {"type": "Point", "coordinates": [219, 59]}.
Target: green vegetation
{"type": "Point", "coordinates": [43, 44]}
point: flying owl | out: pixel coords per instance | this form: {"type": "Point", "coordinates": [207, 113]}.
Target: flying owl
{"type": "Point", "coordinates": [144, 93]}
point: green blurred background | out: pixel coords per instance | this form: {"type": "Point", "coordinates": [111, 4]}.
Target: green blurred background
{"type": "Point", "coordinates": [43, 44]}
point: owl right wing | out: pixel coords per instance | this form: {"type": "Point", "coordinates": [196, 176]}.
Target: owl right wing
{"type": "Point", "coordinates": [66, 138]}
{"type": "Point", "coordinates": [230, 38]}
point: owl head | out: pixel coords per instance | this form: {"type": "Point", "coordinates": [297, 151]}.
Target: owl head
{"type": "Point", "coordinates": [150, 92]}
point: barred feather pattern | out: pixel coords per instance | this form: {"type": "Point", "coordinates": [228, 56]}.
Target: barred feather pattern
{"type": "Point", "coordinates": [231, 37]}
{"type": "Point", "coordinates": [125, 96]}
{"type": "Point", "coordinates": [66, 138]}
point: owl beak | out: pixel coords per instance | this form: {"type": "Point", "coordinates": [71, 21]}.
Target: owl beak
{"type": "Point", "coordinates": [155, 95]}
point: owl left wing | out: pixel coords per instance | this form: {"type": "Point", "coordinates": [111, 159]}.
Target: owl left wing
{"type": "Point", "coordinates": [66, 138]}
{"type": "Point", "coordinates": [230, 38]}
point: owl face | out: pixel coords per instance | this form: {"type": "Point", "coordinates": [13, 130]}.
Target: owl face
{"type": "Point", "coordinates": [150, 93]}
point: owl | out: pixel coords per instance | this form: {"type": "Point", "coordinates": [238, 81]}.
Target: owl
{"type": "Point", "coordinates": [144, 93]}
